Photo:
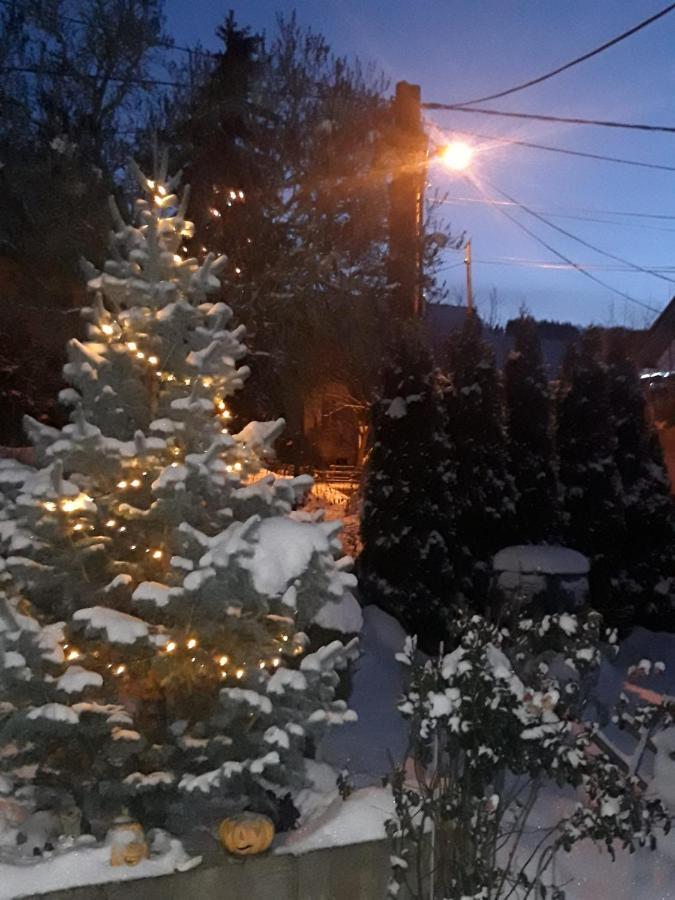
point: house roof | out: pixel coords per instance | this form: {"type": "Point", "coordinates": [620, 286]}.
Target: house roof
{"type": "Point", "coordinates": [659, 337]}
{"type": "Point", "coordinates": [441, 319]}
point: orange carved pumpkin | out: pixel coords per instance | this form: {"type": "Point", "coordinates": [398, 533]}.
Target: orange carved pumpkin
{"type": "Point", "coordinates": [127, 843]}
{"type": "Point", "coordinates": [246, 834]}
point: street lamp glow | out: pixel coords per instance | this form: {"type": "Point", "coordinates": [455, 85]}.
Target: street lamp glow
{"type": "Point", "coordinates": [457, 155]}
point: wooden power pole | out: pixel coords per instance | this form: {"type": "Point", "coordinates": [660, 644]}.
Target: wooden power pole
{"type": "Point", "coordinates": [469, 287]}
{"type": "Point", "coordinates": [405, 201]}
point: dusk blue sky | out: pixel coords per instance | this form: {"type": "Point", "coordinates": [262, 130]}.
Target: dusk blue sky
{"type": "Point", "coordinates": [459, 50]}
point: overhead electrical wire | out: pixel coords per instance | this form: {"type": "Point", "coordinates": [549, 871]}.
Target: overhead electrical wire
{"type": "Point", "coordinates": [574, 237]}
{"type": "Point", "coordinates": [570, 215]}
{"type": "Point", "coordinates": [84, 76]}
{"type": "Point", "coordinates": [543, 264]}
{"type": "Point", "coordinates": [539, 117]}
{"type": "Point", "coordinates": [569, 261]}
{"type": "Point", "coordinates": [566, 150]}
{"type": "Point", "coordinates": [574, 62]}
{"type": "Point", "coordinates": [166, 45]}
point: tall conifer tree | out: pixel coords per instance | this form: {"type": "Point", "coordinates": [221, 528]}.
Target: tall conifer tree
{"type": "Point", "coordinates": [406, 523]}
{"type": "Point", "coordinates": [645, 581]}
{"type": "Point", "coordinates": [528, 422]}
{"type": "Point", "coordinates": [590, 481]}
{"type": "Point", "coordinates": [158, 606]}
{"type": "Point", "coordinates": [483, 495]}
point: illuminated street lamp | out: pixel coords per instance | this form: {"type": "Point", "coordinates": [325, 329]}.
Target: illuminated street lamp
{"type": "Point", "coordinates": [457, 155]}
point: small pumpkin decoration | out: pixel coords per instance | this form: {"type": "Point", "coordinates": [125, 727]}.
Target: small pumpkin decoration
{"type": "Point", "coordinates": [127, 842]}
{"type": "Point", "coordinates": [246, 834]}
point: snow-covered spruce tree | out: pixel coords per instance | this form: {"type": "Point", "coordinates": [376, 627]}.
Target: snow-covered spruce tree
{"type": "Point", "coordinates": [405, 564]}
{"type": "Point", "coordinates": [528, 422]}
{"type": "Point", "coordinates": [644, 583]}
{"type": "Point", "coordinates": [474, 821]}
{"type": "Point", "coordinates": [161, 658]}
{"type": "Point", "coordinates": [589, 479]}
{"type": "Point", "coordinates": [483, 493]}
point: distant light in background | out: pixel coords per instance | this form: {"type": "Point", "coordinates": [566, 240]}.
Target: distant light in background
{"type": "Point", "coordinates": [457, 156]}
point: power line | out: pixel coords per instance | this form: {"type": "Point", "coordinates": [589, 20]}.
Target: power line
{"type": "Point", "coordinates": [571, 262]}
{"type": "Point", "coordinates": [569, 215]}
{"type": "Point", "coordinates": [570, 120]}
{"type": "Point", "coordinates": [543, 264]}
{"type": "Point", "coordinates": [579, 240]}
{"type": "Point", "coordinates": [167, 45]}
{"type": "Point", "coordinates": [565, 150]}
{"type": "Point", "coordinates": [84, 76]}
{"type": "Point", "coordinates": [574, 62]}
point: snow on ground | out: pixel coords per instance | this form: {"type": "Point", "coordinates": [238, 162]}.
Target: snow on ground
{"type": "Point", "coordinates": [83, 866]}
{"type": "Point", "coordinates": [369, 747]}
{"type": "Point", "coordinates": [359, 818]}
{"type": "Point", "coordinates": [588, 873]}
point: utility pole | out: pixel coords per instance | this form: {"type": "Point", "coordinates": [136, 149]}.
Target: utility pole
{"type": "Point", "coordinates": [405, 201]}
{"type": "Point", "coordinates": [469, 288]}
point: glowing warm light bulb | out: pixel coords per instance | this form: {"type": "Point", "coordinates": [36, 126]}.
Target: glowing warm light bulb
{"type": "Point", "coordinates": [177, 259]}
{"type": "Point", "coordinates": [151, 184]}
{"type": "Point", "coordinates": [215, 212]}
{"type": "Point", "coordinates": [122, 484]}
{"type": "Point", "coordinates": [153, 360]}
{"type": "Point", "coordinates": [170, 647]}
{"type": "Point", "coordinates": [136, 482]}
{"type": "Point", "coordinates": [131, 345]}
{"type": "Point", "coordinates": [284, 637]}
{"type": "Point", "coordinates": [74, 654]}
{"type": "Point", "coordinates": [119, 670]}
{"type": "Point", "coordinates": [140, 355]}
{"type": "Point", "coordinates": [223, 661]}
{"type": "Point", "coordinates": [78, 527]}
{"type": "Point", "coordinates": [237, 467]}
{"type": "Point", "coordinates": [107, 329]}
{"type": "Point", "coordinates": [191, 644]}
{"type": "Point", "coordinates": [457, 155]}
{"type": "Point", "coordinates": [233, 194]}
{"type": "Point", "coordinates": [276, 662]}
{"type": "Point", "coordinates": [110, 523]}
{"type": "Point", "coordinates": [161, 190]}
{"type": "Point", "coordinates": [261, 664]}
{"type": "Point", "coordinates": [237, 270]}
{"type": "Point", "coordinates": [239, 673]}
{"type": "Point", "coordinates": [50, 505]}
{"type": "Point", "coordinates": [157, 554]}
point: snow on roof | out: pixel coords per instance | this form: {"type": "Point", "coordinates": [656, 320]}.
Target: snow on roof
{"type": "Point", "coordinates": [544, 558]}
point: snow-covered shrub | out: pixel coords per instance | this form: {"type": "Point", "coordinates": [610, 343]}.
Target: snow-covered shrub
{"type": "Point", "coordinates": [493, 723]}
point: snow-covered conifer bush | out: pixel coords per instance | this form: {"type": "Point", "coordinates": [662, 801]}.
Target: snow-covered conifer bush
{"type": "Point", "coordinates": [528, 424]}
{"type": "Point", "coordinates": [405, 566]}
{"type": "Point", "coordinates": [483, 495]}
{"type": "Point", "coordinates": [154, 644]}
{"type": "Point", "coordinates": [589, 478]}
{"type": "Point", "coordinates": [497, 730]}
{"type": "Point", "coordinates": [643, 585]}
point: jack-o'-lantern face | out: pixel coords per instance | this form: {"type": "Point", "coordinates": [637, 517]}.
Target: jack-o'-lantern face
{"type": "Point", "coordinates": [246, 834]}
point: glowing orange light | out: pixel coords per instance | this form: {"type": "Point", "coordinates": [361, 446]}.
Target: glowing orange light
{"type": "Point", "coordinates": [457, 155]}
